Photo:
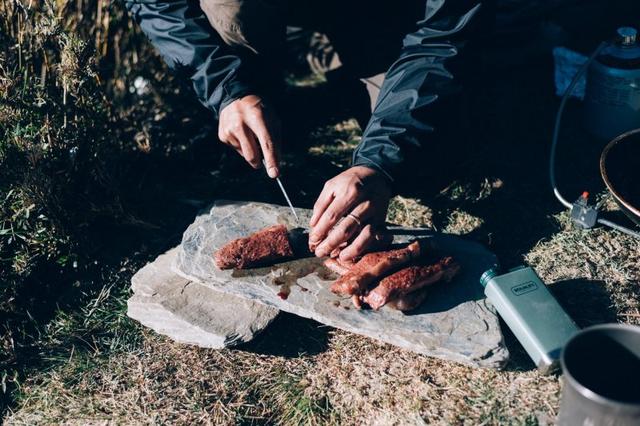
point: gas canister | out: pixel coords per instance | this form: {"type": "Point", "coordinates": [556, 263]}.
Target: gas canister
{"type": "Point", "coordinates": [612, 97]}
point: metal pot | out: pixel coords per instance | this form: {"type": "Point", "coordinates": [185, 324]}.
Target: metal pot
{"type": "Point", "coordinates": [620, 169]}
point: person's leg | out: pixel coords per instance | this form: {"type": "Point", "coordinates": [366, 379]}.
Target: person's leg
{"type": "Point", "coordinates": [256, 25]}
{"type": "Point", "coordinates": [373, 86]}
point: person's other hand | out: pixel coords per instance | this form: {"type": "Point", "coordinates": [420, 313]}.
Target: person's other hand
{"type": "Point", "coordinates": [352, 204]}
{"type": "Point", "coordinates": [253, 130]}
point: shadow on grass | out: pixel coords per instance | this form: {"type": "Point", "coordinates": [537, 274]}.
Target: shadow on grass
{"type": "Point", "coordinates": [587, 303]}
{"type": "Point", "coordinates": [290, 336]}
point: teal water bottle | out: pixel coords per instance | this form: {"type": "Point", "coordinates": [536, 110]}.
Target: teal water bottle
{"type": "Point", "coordinates": [531, 312]}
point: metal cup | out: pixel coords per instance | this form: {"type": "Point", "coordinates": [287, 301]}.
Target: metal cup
{"type": "Point", "coordinates": [601, 377]}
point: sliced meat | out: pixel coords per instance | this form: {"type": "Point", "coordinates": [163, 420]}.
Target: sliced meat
{"type": "Point", "coordinates": [338, 266]}
{"type": "Point", "coordinates": [372, 267]}
{"type": "Point", "coordinates": [404, 303]}
{"type": "Point", "coordinates": [267, 245]}
{"type": "Point", "coordinates": [410, 279]}
{"type": "Point", "coordinates": [408, 302]}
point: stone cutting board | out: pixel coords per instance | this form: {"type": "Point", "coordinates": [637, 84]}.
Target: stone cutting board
{"type": "Point", "coordinates": [454, 323]}
{"type": "Point", "coordinates": [190, 312]}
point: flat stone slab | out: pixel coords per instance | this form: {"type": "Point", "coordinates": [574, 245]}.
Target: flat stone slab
{"type": "Point", "coordinates": [189, 312]}
{"type": "Point", "coordinates": [455, 322]}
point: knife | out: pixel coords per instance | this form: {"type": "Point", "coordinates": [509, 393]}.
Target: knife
{"type": "Point", "coordinates": [284, 192]}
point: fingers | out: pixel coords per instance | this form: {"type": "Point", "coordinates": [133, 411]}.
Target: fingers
{"type": "Point", "coordinates": [244, 125]}
{"type": "Point", "coordinates": [365, 239]}
{"type": "Point", "coordinates": [325, 198]}
{"type": "Point", "coordinates": [344, 230]}
{"type": "Point", "coordinates": [240, 138]}
{"type": "Point", "coordinates": [336, 210]}
{"type": "Point", "coordinates": [336, 251]}
{"type": "Point", "coordinates": [249, 146]}
{"type": "Point", "coordinates": [258, 126]}
{"type": "Point", "coordinates": [371, 238]}
{"type": "Point", "coordinates": [233, 143]}
{"type": "Point", "coordinates": [338, 236]}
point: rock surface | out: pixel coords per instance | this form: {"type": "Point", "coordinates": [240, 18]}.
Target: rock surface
{"type": "Point", "coordinates": [189, 312]}
{"type": "Point", "coordinates": [455, 323]}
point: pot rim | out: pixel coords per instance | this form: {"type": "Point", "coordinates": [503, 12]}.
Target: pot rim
{"type": "Point", "coordinates": [605, 176]}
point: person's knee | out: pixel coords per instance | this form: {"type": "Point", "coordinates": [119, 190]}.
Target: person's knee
{"type": "Point", "coordinates": [224, 17]}
{"type": "Point", "coordinates": [255, 25]}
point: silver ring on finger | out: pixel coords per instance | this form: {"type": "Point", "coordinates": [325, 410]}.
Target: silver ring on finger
{"type": "Point", "coordinates": [355, 218]}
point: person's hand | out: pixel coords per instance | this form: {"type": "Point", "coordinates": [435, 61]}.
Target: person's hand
{"type": "Point", "coordinates": [352, 204]}
{"type": "Point", "coordinates": [253, 130]}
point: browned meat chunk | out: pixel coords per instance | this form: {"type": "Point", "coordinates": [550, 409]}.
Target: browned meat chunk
{"type": "Point", "coordinates": [267, 245]}
{"type": "Point", "coordinates": [338, 266]}
{"type": "Point", "coordinates": [410, 279]}
{"type": "Point", "coordinates": [409, 302]}
{"type": "Point", "coordinates": [372, 267]}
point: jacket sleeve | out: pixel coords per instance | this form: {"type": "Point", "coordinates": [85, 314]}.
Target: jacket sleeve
{"type": "Point", "coordinates": [181, 33]}
{"type": "Point", "coordinates": [398, 130]}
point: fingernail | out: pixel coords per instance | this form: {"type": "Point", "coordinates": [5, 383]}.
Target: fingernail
{"type": "Point", "coordinates": [273, 172]}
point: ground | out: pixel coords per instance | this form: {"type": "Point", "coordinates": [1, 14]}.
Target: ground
{"type": "Point", "coordinates": [72, 356]}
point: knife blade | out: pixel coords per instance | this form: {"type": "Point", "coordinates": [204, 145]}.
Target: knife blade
{"type": "Point", "coordinates": [284, 192]}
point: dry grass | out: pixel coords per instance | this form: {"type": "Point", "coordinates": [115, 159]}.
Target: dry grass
{"type": "Point", "coordinates": [354, 381]}
{"type": "Point", "coordinates": [164, 382]}
{"type": "Point", "coordinates": [409, 212]}
{"type": "Point", "coordinates": [461, 222]}
{"type": "Point", "coordinates": [340, 140]}
{"type": "Point", "coordinates": [374, 383]}
{"type": "Point", "coordinates": [607, 257]}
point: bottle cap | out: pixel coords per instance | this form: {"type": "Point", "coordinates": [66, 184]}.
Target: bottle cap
{"type": "Point", "coordinates": [487, 276]}
{"type": "Point", "coordinates": [628, 35]}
